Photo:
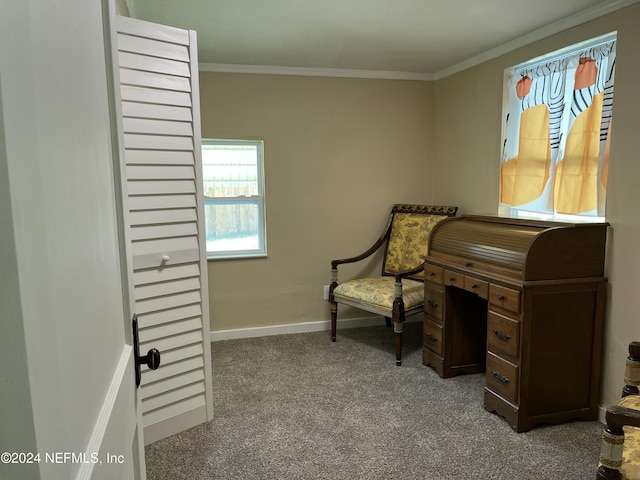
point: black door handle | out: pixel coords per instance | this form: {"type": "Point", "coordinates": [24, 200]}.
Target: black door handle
{"type": "Point", "coordinates": [151, 359]}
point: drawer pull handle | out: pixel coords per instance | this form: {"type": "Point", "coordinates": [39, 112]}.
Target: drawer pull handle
{"type": "Point", "coordinates": [452, 279]}
{"type": "Point", "coordinates": [432, 338]}
{"type": "Point", "coordinates": [468, 264]}
{"type": "Point", "coordinates": [432, 303]}
{"type": "Point", "coordinates": [474, 286]}
{"type": "Point", "coordinates": [500, 377]}
{"type": "Point", "coordinates": [432, 274]}
{"type": "Point", "coordinates": [501, 297]}
{"type": "Point", "coordinates": [502, 335]}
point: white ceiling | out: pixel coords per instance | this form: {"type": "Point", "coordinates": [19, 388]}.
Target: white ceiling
{"type": "Point", "coordinates": [422, 37]}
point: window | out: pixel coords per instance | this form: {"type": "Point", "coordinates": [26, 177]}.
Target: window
{"type": "Point", "coordinates": [234, 209]}
{"type": "Point", "coordinates": [557, 112]}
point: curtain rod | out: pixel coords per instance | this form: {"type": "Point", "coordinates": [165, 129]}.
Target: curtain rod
{"type": "Point", "coordinates": [566, 52]}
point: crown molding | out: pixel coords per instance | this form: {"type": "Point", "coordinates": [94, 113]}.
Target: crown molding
{"type": "Point", "coordinates": [551, 29]}
{"type": "Point", "coordinates": [544, 32]}
{"type": "Point", "coordinates": [314, 72]}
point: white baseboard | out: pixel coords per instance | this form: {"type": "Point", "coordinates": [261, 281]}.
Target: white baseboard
{"type": "Point", "coordinates": [602, 413]}
{"type": "Point", "coordinates": [305, 327]}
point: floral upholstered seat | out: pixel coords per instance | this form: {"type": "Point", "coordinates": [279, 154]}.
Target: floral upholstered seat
{"type": "Point", "coordinates": [620, 454]}
{"type": "Point", "coordinates": [377, 294]}
{"type": "Point", "coordinates": [630, 467]}
{"type": "Point", "coordinates": [399, 291]}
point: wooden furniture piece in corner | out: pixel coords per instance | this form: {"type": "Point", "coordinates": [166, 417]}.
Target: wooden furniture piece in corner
{"type": "Point", "coordinates": [621, 436]}
{"type": "Point", "coordinates": [524, 301]}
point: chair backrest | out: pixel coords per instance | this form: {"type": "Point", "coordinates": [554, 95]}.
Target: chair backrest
{"type": "Point", "coordinates": [409, 229]}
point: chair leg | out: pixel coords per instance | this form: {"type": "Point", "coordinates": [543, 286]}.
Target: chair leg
{"type": "Point", "coordinates": [605, 473]}
{"type": "Point", "coordinates": [387, 321]}
{"type": "Point", "coordinates": [611, 453]}
{"type": "Point", "coordinates": [334, 320]}
{"type": "Point", "coordinates": [397, 329]}
{"type": "Point", "coordinates": [398, 320]}
{"type": "Point", "coordinates": [332, 302]}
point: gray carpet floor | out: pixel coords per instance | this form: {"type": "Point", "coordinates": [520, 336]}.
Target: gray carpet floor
{"type": "Point", "coordinates": [301, 407]}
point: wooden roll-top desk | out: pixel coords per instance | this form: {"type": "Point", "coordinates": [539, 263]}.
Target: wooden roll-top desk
{"type": "Point", "coordinates": [523, 301]}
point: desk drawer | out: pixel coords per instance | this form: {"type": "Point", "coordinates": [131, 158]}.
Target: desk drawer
{"type": "Point", "coordinates": [504, 297]}
{"type": "Point", "coordinates": [479, 287]}
{"type": "Point", "coordinates": [433, 273]}
{"type": "Point", "coordinates": [433, 337]}
{"type": "Point", "coordinates": [502, 377]}
{"type": "Point", "coordinates": [503, 335]}
{"type": "Point", "coordinates": [453, 279]}
{"type": "Point", "coordinates": [433, 300]}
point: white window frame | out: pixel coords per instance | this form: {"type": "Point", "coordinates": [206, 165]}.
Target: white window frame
{"type": "Point", "coordinates": [508, 211]}
{"type": "Point", "coordinates": [258, 200]}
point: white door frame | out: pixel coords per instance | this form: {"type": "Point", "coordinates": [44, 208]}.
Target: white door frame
{"type": "Point", "coordinates": [124, 240]}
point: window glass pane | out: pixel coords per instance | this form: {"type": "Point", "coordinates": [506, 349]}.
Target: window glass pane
{"type": "Point", "coordinates": [233, 191]}
{"type": "Point", "coordinates": [232, 227]}
{"type": "Point", "coordinates": [230, 170]}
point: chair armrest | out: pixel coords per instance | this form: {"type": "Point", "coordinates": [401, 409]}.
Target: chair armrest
{"type": "Point", "coordinates": [363, 255]}
{"type": "Point", "coordinates": [611, 453]}
{"type": "Point", "coordinates": [617, 417]}
{"type": "Point", "coordinates": [398, 276]}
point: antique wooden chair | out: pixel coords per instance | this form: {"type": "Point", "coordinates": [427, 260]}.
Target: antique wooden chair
{"type": "Point", "coordinates": [399, 291]}
{"type": "Point", "coordinates": [620, 454]}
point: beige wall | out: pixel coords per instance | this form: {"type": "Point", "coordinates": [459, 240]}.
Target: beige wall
{"type": "Point", "coordinates": [336, 150]}
{"type": "Point", "coordinates": [468, 121]}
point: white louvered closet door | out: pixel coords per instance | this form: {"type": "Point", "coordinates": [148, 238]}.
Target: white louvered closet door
{"type": "Point", "coordinates": [161, 122]}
